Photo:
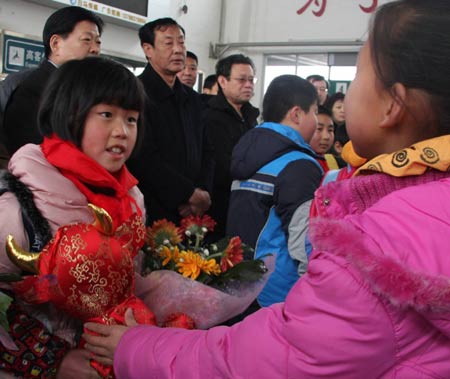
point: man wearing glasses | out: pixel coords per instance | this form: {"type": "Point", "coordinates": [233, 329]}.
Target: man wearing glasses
{"type": "Point", "coordinates": [227, 117]}
{"type": "Point", "coordinates": [321, 85]}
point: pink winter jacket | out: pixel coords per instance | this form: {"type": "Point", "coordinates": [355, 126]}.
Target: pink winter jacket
{"type": "Point", "coordinates": [375, 302]}
{"type": "Point", "coordinates": [59, 201]}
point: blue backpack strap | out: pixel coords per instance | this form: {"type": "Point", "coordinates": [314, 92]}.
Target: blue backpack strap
{"type": "Point", "coordinates": [274, 167]}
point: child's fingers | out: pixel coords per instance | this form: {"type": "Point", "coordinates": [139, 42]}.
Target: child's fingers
{"type": "Point", "coordinates": [98, 328]}
{"type": "Point", "coordinates": [92, 340]}
{"type": "Point", "coordinates": [103, 360]}
{"type": "Point", "coordinates": [99, 351]}
{"type": "Point", "coordinates": [129, 318]}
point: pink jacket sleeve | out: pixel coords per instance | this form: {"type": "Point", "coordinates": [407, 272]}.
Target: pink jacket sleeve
{"type": "Point", "coordinates": [331, 326]}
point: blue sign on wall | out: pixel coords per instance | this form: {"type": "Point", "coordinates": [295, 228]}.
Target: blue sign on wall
{"type": "Point", "coordinates": [20, 53]}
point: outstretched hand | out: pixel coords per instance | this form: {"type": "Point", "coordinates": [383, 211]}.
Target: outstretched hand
{"type": "Point", "coordinates": [105, 343]}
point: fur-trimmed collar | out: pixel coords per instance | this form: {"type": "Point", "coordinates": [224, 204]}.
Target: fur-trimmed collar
{"type": "Point", "coordinates": [400, 285]}
{"type": "Point", "coordinates": [355, 195]}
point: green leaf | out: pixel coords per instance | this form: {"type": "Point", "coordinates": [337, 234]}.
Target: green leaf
{"type": "Point", "coordinates": [5, 302]}
{"type": "Point", "coordinates": [245, 271]}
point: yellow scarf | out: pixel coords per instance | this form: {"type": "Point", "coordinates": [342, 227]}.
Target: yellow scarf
{"type": "Point", "coordinates": [348, 154]}
{"type": "Point", "coordinates": [414, 160]}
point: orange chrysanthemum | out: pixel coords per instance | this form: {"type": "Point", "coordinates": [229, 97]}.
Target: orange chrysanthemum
{"type": "Point", "coordinates": [195, 224]}
{"type": "Point", "coordinates": [210, 267]}
{"type": "Point", "coordinates": [169, 254]}
{"type": "Point", "coordinates": [232, 255]}
{"type": "Point", "coordinates": [163, 232]}
{"type": "Point", "coordinates": [191, 264]}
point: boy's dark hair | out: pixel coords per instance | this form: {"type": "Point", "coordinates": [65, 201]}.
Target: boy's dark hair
{"type": "Point", "coordinates": [409, 45]}
{"type": "Point", "coordinates": [148, 31]}
{"type": "Point", "coordinates": [223, 66]}
{"type": "Point", "coordinates": [190, 54]}
{"type": "Point", "coordinates": [323, 110]}
{"type": "Point", "coordinates": [77, 86]}
{"type": "Point", "coordinates": [210, 81]}
{"type": "Point", "coordinates": [317, 78]}
{"type": "Point", "coordinates": [285, 92]}
{"type": "Point", "coordinates": [63, 21]}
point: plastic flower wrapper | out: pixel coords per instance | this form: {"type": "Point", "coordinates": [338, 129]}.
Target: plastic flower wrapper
{"type": "Point", "coordinates": [5, 302]}
{"type": "Point", "coordinates": [210, 283]}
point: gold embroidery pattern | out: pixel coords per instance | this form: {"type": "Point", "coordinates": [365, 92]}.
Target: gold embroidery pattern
{"type": "Point", "coordinates": [72, 249]}
{"type": "Point", "coordinates": [98, 268]}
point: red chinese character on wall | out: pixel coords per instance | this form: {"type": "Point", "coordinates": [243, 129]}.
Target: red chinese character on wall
{"type": "Point", "coordinates": [371, 8]}
{"type": "Point", "coordinates": [322, 4]}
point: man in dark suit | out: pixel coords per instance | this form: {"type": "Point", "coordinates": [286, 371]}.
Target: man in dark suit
{"type": "Point", "coordinates": [227, 117]}
{"type": "Point", "coordinates": [69, 33]}
{"type": "Point", "coordinates": [174, 166]}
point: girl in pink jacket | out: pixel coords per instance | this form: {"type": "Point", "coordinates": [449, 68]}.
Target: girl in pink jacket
{"type": "Point", "coordinates": [375, 301]}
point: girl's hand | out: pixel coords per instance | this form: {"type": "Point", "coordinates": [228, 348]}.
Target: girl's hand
{"type": "Point", "coordinates": [76, 365]}
{"type": "Point", "coordinates": [104, 345]}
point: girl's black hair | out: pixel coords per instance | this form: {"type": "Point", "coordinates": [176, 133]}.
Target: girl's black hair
{"type": "Point", "coordinates": [410, 44]}
{"type": "Point", "coordinates": [77, 86]}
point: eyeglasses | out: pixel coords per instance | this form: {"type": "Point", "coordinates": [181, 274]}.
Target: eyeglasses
{"type": "Point", "coordinates": [243, 80]}
{"type": "Point", "coordinates": [322, 89]}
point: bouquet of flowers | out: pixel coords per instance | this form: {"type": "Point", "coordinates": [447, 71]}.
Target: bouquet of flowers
{"type": "Point", "coordinates": [209, 282]}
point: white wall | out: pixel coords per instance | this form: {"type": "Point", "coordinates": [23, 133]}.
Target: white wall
{"type": "Point", "coordinates": [202, 26]}
{"type": "Point", "coordinates": [269, 20]}
{"type": "Point", "coordinates": [259, 22]}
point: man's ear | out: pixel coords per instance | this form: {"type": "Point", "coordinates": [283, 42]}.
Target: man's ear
{"type": "Point", "coordinates": [54, 43]}
{"type": "Point", "coordinates": [221, 80]}
{"type": "Point", "coordinates": [148, 49]}
{"type": "Point", "coordinates": [395, 106]}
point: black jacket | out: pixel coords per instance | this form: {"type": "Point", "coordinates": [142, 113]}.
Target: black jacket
{"type": "Point", "coordinates": [225, 127]}
{"type": "Point", "coordinates": [175, 156]}
{"type": "Point", "coordinates": [20, 119]}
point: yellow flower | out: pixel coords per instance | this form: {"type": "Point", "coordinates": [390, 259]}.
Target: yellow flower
{"type": "Point", "coordinates": [169, 254]}
{"type": "Point", "coordinates": [189, 264]}
{"type": "Point", "coordinates": [210, 267]}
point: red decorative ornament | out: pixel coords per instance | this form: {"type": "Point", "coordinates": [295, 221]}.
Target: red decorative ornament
{"type": "Point", "coordinates": [87, 271]}
{"type": "Point", "coordinates": [179, 320]}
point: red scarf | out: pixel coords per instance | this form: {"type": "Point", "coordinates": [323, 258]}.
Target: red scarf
{"type": "Point", "coordinates": [99, 186]}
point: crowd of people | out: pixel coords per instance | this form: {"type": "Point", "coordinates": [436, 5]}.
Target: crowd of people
{"type": "Point", "coordinates": [348, 192]}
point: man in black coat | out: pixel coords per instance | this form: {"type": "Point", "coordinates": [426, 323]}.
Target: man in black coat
{"type": "Point", "coordinates": [227, 117]}
{"type": "Point", "coordinates": [69, 33]}
{"type": "Point", "coordinates": [174, 165]}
